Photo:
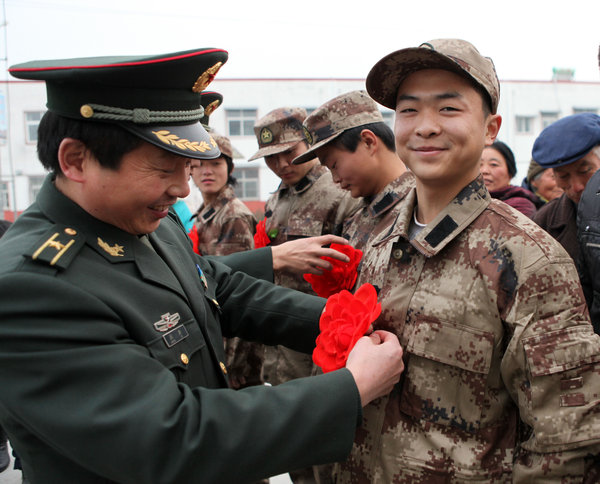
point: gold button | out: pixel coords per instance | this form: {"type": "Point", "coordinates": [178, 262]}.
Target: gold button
{"type": "Point", "coordinates": [70, 231]}
{"type": "Point", "coordinates": [184, 358]}
{"type": "Point", "coordinates": [397, 254]}
{"type": "Point", "coordinates": [223, 368]}
{"type": "Point", "coordinates": [215, 302]}
{"type": "Point", "coordinates": [86, 111]}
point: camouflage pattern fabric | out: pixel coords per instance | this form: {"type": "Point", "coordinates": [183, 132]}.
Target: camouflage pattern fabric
{"type": "Point", "coordinates": [225, 227]}
{"type": "Point", "coordinates": [502, 367]}
{"type": "Point", "coordinates": [314, 206]}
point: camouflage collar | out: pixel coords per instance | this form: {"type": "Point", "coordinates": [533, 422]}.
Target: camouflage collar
{"type": "Point", "coordinates": [456, 217]}
{"type": "Point", "coordinates": [395, 191]}
{"type": "Point", "coordinates": [306, 182]}
{"type": "Point", "coordinates": [207, 212]}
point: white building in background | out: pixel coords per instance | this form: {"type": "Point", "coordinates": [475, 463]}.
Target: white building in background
{"type": "Point", "coordinates": [526, 108]}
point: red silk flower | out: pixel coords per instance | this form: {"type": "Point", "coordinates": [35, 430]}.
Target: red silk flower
{"type": "Point", "coordinates": [193, 233]}
{"type": "Point", "coordinates": [341, 276]}
{"type": "Point", "coordinates": [261, 239]}
{"type": "Point", "coordinates": [346, 319]}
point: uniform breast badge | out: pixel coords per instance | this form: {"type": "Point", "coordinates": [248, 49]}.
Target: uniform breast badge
{"type": "Point", "coordinates": [202, 276]}
{"type": "Point", "coordinates": [116, 250]}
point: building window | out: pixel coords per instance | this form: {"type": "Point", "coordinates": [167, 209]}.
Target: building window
{"type": "Point", "coordinates": [4, 196]}
{"type": "Point", "coordinates": [247, 183]}
{"type": "Point", "coordinates": [585, 110]}
{"type": "Point", "coordinates": [525, 124]}
{"type": "Point", "coordinates": [388, 118]}
{"type": "Point", "coordinates": [240, 122]}
{"type": "Point", "coordinates": [548, 118]}
{"type": "Point", "coordinates": [32, 120]}
{"type": "Point", "coordinates": [35, 183]}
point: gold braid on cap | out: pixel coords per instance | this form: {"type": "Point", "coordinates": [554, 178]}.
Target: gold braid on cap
{"type": "Point", "coordinates": [139, 115]}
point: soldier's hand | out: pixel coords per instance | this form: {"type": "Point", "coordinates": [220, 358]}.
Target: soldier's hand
{"type": "Point", "coordinates": [303, 256]}
{"type": "Point", "coordinates": [376, 364]}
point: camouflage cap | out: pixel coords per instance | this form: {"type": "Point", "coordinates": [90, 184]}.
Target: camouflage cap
{"type": "Point", "coordinates": [330, 120]}
{"type": "Point", "coordinates": [157, 98]}
{"type": "Point", "coordinates": [455, 55]}
{"type": "Point", "coordinates": [225, 145]}
{"type": "Point", "coordinates": [278, 131]}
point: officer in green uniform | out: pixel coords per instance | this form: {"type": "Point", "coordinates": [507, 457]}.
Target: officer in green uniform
{"type": "Point", "coordinates": [111, 327]}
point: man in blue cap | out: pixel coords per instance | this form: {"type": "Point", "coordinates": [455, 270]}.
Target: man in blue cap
{"type": "Point", "coordinates": [571, 147]}
{"type": "Point", "coordinates": [111, 354]}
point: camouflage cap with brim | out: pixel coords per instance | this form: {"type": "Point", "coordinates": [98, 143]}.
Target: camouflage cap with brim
{"type": "Point", "coordinates": [157, 98]}
{"type": "Point", "coordinates": [278, 131]}
{"type": "Point", "coordinates": [225, 146]}
{"type": "Point", "coordinates": [455, 55]}
{"type": "Point", "coordinates": [330, 120]}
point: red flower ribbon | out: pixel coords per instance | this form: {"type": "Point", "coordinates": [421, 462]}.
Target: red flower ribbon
{"type": "Point", "coordinates": [261, 239]}
{"type": "Point", "coordinates": [342, 275]}
{"type": "Point", "coordinates": [193, 233]}
{"type": "Point", "coordinates": [346, 319]}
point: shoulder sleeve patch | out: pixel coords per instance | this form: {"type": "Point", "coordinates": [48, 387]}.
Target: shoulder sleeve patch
{"type": "Point", "coordinates": [58, 247]}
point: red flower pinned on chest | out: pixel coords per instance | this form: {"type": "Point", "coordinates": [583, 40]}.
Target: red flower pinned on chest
{"type": "Point", "coordinates": [261, 239]}
{"type": "Point", "coordinates": [193, 234]}
{"type": "Point", "coordinates": [342, 275]}
{"type": "Point", "coordinates": [346, 319]}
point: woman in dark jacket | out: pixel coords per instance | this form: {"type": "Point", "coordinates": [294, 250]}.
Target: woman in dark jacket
{"type": "Point", "coordinates": [498, 167]}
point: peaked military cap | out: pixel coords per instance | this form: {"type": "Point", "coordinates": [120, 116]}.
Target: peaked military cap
{"type": "Point", "coordinates": [157, 98]}
{"type": "Point", "coordinates": [210, 100]}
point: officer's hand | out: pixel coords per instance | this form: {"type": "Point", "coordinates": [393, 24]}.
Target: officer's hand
{"type": "Point", "coordinates": [376, 364]}
{"type": "Point", "coordinates": [303, 256]}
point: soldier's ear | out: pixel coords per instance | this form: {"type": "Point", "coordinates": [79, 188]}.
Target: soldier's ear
{"type": "Point", "coordinates": [369, 138]}
{"type": "Point", "coordinates": [72, 155]}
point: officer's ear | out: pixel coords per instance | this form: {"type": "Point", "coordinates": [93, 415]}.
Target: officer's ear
{"type": "Point", "coordinates": [72, 158]}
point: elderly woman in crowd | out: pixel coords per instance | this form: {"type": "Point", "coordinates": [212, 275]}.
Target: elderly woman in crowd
{"type": "Point", "coordinates": [498, 168]}
{"type": "Point", "coordinates": [542, 183]}
{"type": "Point", "coordinates": [225, 225]}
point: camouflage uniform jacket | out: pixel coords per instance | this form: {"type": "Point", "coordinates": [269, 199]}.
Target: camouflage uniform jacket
{"type": "Point", "coordinates": [225, 226]}
{"type": "Point", "coordinates": [502, 368]}
{"type": "Point", "coordinates": [314, 206]}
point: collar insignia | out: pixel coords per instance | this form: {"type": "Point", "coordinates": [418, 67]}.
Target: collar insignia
{"type": "Point", "coordinates": [116, 250]}
{"type": "Point", "coordinates": [167, 321]}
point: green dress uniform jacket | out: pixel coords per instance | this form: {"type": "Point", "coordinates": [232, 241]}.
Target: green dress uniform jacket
{"type": "Point", "coordinates": [111, 351]}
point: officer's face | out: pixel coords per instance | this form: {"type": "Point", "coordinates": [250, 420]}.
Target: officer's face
{"type": "Point", "coordinates": [441, 129]}
{"type": "Point", "coordinates": [573, 178]}
{"type": "Point", "coordinates": [281, 164]}
{"type": "Point", "coordinates": [137, 196]}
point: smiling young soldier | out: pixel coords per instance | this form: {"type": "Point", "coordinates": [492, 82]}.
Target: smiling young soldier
{"type": "Point", "coordinates": [501, 379]}
{"type": "Point", "coordinates": [111, 354]}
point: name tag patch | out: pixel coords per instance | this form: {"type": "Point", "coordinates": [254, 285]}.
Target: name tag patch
{"type": "Point", "coordinates": [175, 336]}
